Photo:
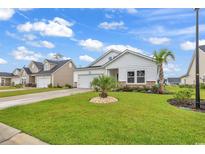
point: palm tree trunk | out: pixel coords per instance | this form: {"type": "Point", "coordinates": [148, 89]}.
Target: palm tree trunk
{"type": "Point", "coordinates": [103, 94]}
{"type": "Point", "coordinates": [161, 79]}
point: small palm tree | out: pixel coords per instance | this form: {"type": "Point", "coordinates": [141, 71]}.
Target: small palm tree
{"type": "Point", "coordinates": [162, 56]}
{"type": "Point", "coordinates": [103, 84]}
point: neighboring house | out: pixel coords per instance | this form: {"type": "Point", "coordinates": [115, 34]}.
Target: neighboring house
{"type": "Point", "coordinates": [127, 67]}
{"type": "Point", "coordinates": [189, 77]}
{"type": "Point", "coordinates": [42, 74]}
{"type": "Point", "coordinates": [7, 79]}
{"type": "Point", "coordinates": [55, 73]}
{"type": "Point", "coordinates": [173, 81]}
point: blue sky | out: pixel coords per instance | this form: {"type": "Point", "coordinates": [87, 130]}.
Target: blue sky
{"type": "Point", "coordinates": [84, 34]}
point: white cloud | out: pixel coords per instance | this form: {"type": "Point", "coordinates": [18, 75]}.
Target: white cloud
{"type": "Point", "coordinates": [91, 44]}
{"type": "Point", "coordinates": [86, 58]}
{"type": "Point", "coordinates": [159, 40]}
{"type": "Point", "coordinates": [47, 44]}
{"type": "Point", "coordinates": [170, 67]}
{"type": "Point", "coordinates": [123, 47]}
{"type": "Point", "coordinates": [109, 16]}
{"type": "Point", "coordinates": [188, 45]}
{"type": "Point", "coordinates": [22, 53]}
{"type": "Point", "coordinates": [112, 25]}
{"type": "Point", "coordinates": [29, 37]}
{"type": "Point", "coordinates": [40, 44]}
{"type": "Point", "coordinates": [6, 14]}
{"type": "Point", "coordinates": [2, 61]}
{"type": "Point", "coordinates": [161, 31]}
{"type": "Point", "coordinates": [56, 27]}
{"type": "Point", "coordinates": [52, 55]}
{"type": "Point", "coordinates": [132, 11]}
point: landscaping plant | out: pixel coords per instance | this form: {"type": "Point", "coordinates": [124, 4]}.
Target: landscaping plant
{"type": "Point", "coordinates": [103, 84]}
{"type": "Point", "coordinates": [161, 57]}
{"type": "Point", "coordinates": [184, 96]}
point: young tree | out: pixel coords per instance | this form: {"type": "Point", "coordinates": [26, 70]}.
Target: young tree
{"type": "Point", "coordinates": [57, 56]}
{"type": "Point", "coordinates": [103, 84]}
{"type": "Point", "coordinates": [162, 57]}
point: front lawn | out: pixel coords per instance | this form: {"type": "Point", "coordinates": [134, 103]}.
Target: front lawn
{"type": "Point", "coordinates": [28, 91]}
{"type": "Point", "coordinates": [6, 87]}
{"type": "Point", "coordinates": [137, 118]}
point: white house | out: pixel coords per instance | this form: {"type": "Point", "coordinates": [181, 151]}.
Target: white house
{"type": "Point", "coordinates": [127, 67]}
{"type": "Point", "coordinates": [189, 77]}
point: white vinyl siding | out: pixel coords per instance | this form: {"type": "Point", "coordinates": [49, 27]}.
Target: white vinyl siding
{"type": "Point", "coordinates": [130, 62]}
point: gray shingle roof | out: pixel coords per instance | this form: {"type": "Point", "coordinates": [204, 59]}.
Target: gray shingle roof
{"type": "Point", "coordinates": [202, 47]}
{"type": "Point", "coordinates": [39, 65]}
{"type": "Point", "coordinates": [5, 74]}
{"type": "Point", "coordinates": [28, 71]}
{"type": "Point", "coordinates": [58, 65]}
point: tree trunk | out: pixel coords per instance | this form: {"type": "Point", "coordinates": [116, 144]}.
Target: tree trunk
{"type": "Point", "coordinates": [161, 79]}
{"type": "Point", "coordinates": [103, 94]}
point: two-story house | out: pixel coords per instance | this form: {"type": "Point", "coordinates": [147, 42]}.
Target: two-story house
{"type": "Point", "coordinates": [54, 72]}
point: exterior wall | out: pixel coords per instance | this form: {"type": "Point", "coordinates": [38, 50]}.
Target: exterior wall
{"type": "Point", "coordinates": [87, 71]}
{"type": "Point", "coordinates": [64, 75]}
{"type": "Point", "coordinates": [106, 58]}
{"type": "Point", "coordinates": [23, 76]}
{"type": "Point", "coordinates": [190, 79]}
{"type": "Point", "coordinates": [5, 81]}
{"type": "Point", "coordinates": [33, 67]}
{"type": "Point", "coordinates": [130, 62]}
{"type": "Point", "coordinates": [15, 80]}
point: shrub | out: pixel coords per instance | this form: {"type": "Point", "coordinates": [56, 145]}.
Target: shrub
{"type": "Point", "coordinates": [186, 86]}
{"type": "Point", "coordinates": [58, 86]}
{"type": "Point", "coordinates": [202, 85]}
{"type": "Point", "coordinates": [18, 85]}
{"type": "Point", "coordinates": [68, 86]}
{"type": "Point", "coordinates": [50, 85]}
{"type": "Point", "coordinates": [104, 84]}
{"type": "Point", "coordinates": [30, 85]}
{"type": "Point", "coordinates": [155, 89]}
{"type": "Point", "coordinates": [184, 96]}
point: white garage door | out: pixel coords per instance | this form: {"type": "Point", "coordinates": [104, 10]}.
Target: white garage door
{"type": "Point", "coordinates": [43, 81]}
{"type": "Point", "coordinates": [85, 80]}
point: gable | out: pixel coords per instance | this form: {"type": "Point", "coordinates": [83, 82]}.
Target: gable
{"type": "Point", "coordinates": [33, 68]}
{"type": "Point", "coordinates": [105, 58]}
{"type": "Point", "coordinates": [16, 72]}
{"type": "Point", "coordinates": [191, 69]}
{"type": "Point", "coordinates": [128, 60]}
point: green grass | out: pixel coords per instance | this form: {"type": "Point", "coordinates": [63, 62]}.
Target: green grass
{"type": "Point", "coordinates": [6, 87]}
{"type": "Point", "coordinates": [137, 118]}
{"type": "Point", "coordinates": [28, 91]}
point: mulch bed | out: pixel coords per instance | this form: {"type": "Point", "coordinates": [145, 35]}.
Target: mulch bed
{"type": "Point", "coordinates": [190, 105]}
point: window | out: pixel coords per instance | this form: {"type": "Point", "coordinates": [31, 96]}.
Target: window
{"type": "Point", "coordinates": [110, 58]}
{"type": "Point", "coordinates": [46, 66]}
{"type": "Point", "coordinates": [141, 76]}
{"type": "Point", "coordinates": [131, 77]}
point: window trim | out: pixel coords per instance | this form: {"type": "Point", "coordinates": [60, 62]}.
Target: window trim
{"type": "Point", "coordinates": [135, 76]}
{"type": "Point", "coordinates": [140, 76]}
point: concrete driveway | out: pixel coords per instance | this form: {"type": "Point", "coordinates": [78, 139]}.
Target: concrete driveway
{"type": "Point", "coordinates": [32, 98]}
